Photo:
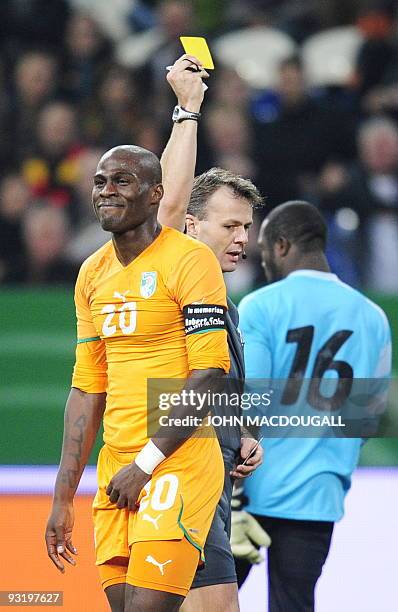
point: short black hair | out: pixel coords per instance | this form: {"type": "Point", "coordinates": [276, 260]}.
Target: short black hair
{"type": "Point", "coordinates": [207, 183]}
{"type": "Point", "coordinates": [299, 222]}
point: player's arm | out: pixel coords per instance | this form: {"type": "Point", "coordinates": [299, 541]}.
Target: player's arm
{"type": "Point", "coordinates": [179, 157]}
{"type": "Point", "coordinates": [198, 385]}
{"type": "Point", "coordinates": [83, 416]}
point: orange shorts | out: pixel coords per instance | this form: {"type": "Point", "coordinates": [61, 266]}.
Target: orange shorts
{"type": "Point", "coordinates": [176, 508]}
{"type": "Point", "coordinates": [167, 565]}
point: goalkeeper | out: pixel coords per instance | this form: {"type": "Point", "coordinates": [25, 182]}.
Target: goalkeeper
{"type": "Point", "coordinates": [305, 328]}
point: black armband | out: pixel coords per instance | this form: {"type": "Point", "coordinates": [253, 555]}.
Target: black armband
{"type": "Point", "coordinates": [200, 318]}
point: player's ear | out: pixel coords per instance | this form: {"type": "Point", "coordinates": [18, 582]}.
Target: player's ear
{"type": "Point", "coordinates": [157, 193]}
{"type": "Point", "coordinates": [192, 225]}
{"type": "Point", "coordinates": [282, 246]}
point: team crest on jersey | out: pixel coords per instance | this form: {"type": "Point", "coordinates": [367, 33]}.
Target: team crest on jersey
{"type": "Point", "coordinates": [148, 284]}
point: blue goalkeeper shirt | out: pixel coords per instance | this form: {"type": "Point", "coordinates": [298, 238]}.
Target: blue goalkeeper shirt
{"type": "Point", "coordinates": [288, 328]}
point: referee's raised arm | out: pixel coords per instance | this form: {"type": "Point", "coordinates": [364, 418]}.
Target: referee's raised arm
{"type": "Point", "coordinates": [179, 157]}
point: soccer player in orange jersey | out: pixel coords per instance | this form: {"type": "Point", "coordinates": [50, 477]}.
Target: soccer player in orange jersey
{"type": "Point", "coordinates": [145, 303]}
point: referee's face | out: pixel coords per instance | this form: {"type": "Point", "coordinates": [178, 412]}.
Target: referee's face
{"type": "Point", "coordinates": [225, 228]}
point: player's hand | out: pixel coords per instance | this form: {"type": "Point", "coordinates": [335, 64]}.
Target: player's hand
{"type": "Point", "coordinates": [59, 535]}
{"type": "Point", "coordinates": [185, 78]}
{"type": "Point", "coordinates": [251, 463]}
{"type": "Point", "coordinates": [126, 485]}
{"type": "Point", "coordinates": [247, 536]}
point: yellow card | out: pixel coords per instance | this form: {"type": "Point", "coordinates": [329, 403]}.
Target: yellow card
{"type": "Point", "coordinates": [197, 46]}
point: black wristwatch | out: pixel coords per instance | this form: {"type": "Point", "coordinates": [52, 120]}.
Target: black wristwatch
{"type": "Point", "coordinates": [181, 114]}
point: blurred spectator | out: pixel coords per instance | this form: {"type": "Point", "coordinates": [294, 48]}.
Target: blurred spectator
{"type": "Point", "coordinates": [31, 23]}
{"type": "Point", "coordinates": [150, 52]}
{"type": "Point", "coordinates": [86, 169]}
{"type": "Point", "coordinates": [228, 136]}
{"type": "Point", "coordinates": [383, 99]}
{"type": "Point", "coordinates": [375, 21]}
{"type": "Point", "coordinates": [119, 18]}
{"type": "Point", "coordinates": [46, 231]}
{"type": "Point", "coordinates": [35, 83]}
{"type": "Point", "coordinates": [5, 151]}
{"type": "Point", "coordinates": [88, 236]}
{"type": "Point", "coordinates": [381, 94]}
{"type": "Point", "coordinates": [14, 201]}
{"type": "Point", "coordinates": [111, 117]}
{"type": "Point", "coordinates": [225, 137]}
{"type": "Point", "coordinates": [255, 52]}
{"type": "Point", "coordinates": [294, 136]}
{"type": "Point", "coordinates": [159, 46]}
{"type": "Point", "coordinates": [302, 19]}
{"type": "Point", "coordinates": [52, 168]}
{"type": "Point", "coordinates": [297, 18]}
{"type": "Point", "coordinates": [370, 189]}
{"type": "Point", "coordinates": [230, 90]}
{"type": "Point", "coordinates": [84, 52]}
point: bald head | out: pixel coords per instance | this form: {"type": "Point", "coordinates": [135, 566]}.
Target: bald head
{"type": "Point", "coordinates": [146, 164]}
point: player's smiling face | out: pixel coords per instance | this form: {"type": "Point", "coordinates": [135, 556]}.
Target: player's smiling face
{"type": "Point", "coordinates": [225, 228]}
{"type": "Point", "coordinates": [121, 195]}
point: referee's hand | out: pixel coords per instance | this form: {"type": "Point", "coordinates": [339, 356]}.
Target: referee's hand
{"type": "Point", "coordinates": [252, 456]}
{"type": "Point", "coordinates": [185, 78]}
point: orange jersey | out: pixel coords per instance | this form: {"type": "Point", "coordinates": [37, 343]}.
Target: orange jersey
{"type": "Point", "coordinates": [135, 322]}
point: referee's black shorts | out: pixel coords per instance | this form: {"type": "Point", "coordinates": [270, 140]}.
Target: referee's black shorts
{"type": "Point", "coordinates": [219, 562]}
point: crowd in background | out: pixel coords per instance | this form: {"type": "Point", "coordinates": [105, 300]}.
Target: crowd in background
{"type": "Point", "coordinates": [80, 76]}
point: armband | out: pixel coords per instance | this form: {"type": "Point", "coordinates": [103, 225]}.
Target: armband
{"type": "Point", "coordinates": [203, 317]}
